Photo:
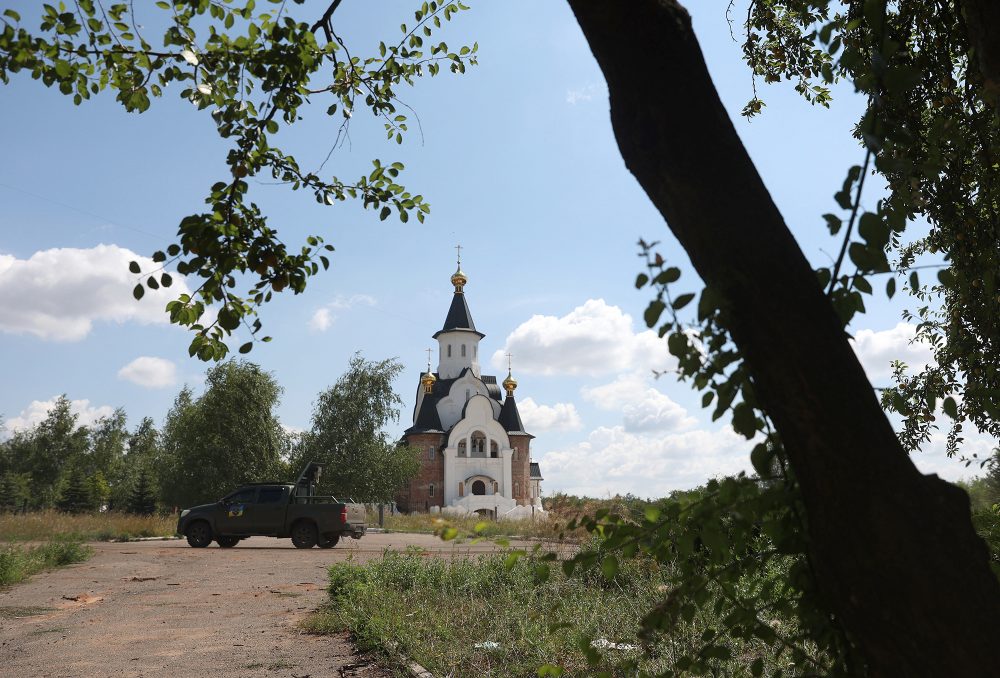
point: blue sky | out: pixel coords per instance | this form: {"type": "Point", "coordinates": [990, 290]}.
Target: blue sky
{"type": "Point", "coordinates": [519, 163]}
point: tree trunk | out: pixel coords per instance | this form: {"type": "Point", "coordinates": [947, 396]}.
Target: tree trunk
{"type": "Point", "coordinates": [895, 553]}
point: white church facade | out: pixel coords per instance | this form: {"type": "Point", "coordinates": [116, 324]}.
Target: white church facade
{"type": "Point", "coordinates": [475, 455]}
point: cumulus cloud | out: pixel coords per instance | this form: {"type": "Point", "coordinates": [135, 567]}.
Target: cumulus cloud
{"type": "Point", "coordinates": [595, 338]}
{"type": "Point", "coordinates": [58, 294]}
{"type": "Point", "coordinates": [643, 407]}
{"type": "Point", "coordinates": [323, 317]}
{"type": "Point", "coordinates": [150, 372]}
{"type": "Point", "coordinates": [558, 417]}
{"type": "Point", "coordinates": [877, 349]}
{"type": "Point", "coordinates": [34, 413]}
{"type": "Point", "coordinates": [615, 461]}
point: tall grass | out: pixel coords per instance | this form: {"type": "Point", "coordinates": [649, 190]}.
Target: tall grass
{"type": "Point", "coordinates": [47, 525]}
{"type": "Point", "coordinates": [17, 562]}
{"type": "Point", "coordinates": [484, 617]}
{"type": "Point", "coordinates": [431, 522]}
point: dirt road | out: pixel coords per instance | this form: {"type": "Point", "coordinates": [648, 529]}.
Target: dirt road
{"type": "Point", "coordinates": [165, 609]}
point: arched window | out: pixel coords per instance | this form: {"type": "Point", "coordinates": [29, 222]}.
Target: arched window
{"type": "Point", "coordinates": [475, 351]}
{"type": "Point", "coordinates": [461, 447]}
{"type": "Point", "coordinates": [494, 449]}
{"type": "Point", "coordinates": [478, 444]}
{"type": "Point", "coordinates": [430, 490]}
{"type": "Point", "coordinates": [517, 489]}
{"type": "Point", "coordinates": [463, 350]}
{"type": "Point", "coordinates": [449, 350]}
{"type": "Point", "coordinates": [496, 487]}
{"type": "Point", "coordinates": [461, 488]}
{"type": "Point", "coordinates": [430, 453]}
{"type": "Point", "coordinates": [478, 487]}
{"type": "Point", "coordinates": [514, 455]}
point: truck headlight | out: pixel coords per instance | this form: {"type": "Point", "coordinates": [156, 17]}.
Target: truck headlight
{"type": "Point", "coordinates": [185, 512]}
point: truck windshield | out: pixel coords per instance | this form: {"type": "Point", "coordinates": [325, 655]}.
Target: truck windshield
{"type": "Point", "coordinates": [241, 497]}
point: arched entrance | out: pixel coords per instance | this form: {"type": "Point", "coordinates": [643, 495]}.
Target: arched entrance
{"type": "Point", "coordinates": [478, 487]}
{"type": "Point", "coordinates": [485, 513]}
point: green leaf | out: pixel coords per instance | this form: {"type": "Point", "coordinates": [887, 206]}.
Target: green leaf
{"type": "Point", "coordinates": [950, 407]}
{"type": "Point", "coordinates": [245, 348]}
{"type": "Point", "coordinates": [641, 280]}
{"type": "Point", "coordinates": [653, 312]}
{"type": "Point", "coordinates": [682, 301]}
{"type": "Point", "coordinates": [610, 567]}
{"type": "Point", "coordinates": [133, 266]}
{"type": "Point", "coordinates": [761, 457]}
{"type": "Point", "coordinates": [890, 287]}
{"type": "Point", "coordinates": [138, 291]}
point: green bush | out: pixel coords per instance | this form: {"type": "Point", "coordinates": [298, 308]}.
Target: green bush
{"type": "Point", "coordinates": [17, 563]}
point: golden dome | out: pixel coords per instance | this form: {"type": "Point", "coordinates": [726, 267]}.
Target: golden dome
{"type": "Point", "coordinates": [510, 383]}
{"type": "Point", "coordinates": [459, 280]}
{"type": "Point", "coordinates": [428, 380]}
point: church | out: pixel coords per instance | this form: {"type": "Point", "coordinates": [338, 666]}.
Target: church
{"type": "Point", "coordinates": [475, 455]}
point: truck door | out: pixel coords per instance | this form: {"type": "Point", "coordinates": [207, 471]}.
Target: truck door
{"type": "Point", "coordinates": [269, 511]}
{"type": "Point", "coordinates": [237, 512]}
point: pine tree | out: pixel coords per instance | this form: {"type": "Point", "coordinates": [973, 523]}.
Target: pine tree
{"type": "Point", "coordinates": [993, 478]}
{"type": "Point", "coordinates": [142, 499]}
{"type": "Point", "coordinates": [75, 497]}
{"type": "Point", "coordinates": [9, 493]}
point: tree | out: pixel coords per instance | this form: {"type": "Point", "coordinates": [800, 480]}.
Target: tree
{"type": "Point", "coordinates": [142, 455]}
{"type": "Point", "coordinates": [228, 436]}
{"type": "Point", "coordinates": [252, 71]}
{"type": "Point", "coordinates": [348, 434]}
{"type": "Point", "coordinates": [142, 499]}
{"type": "Point", "coordinates": [76, 496]}
{"type": "Point", "coordinates": [883, 542]}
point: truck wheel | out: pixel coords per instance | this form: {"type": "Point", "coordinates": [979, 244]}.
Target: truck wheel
{"type": "Point", "coordinates": [304, 535]}
{"type": "Point", "coordinates": [199, 534]}
{"type": "Point", "coordinates": [227, 542]}
{"type": "Point", "coordinates": [329, 541]}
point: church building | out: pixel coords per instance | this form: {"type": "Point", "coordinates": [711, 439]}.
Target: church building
{"type": "Point", "coordinates": [474, 452]}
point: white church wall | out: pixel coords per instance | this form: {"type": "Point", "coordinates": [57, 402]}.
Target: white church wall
{"type": "Point", "coordinates": [450, 407]}
{"type": "Point", "coordinates": [450, 366]}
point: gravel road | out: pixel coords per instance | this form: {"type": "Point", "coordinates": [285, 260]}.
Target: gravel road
{"type": "Point", "coordinates": [164, 609]}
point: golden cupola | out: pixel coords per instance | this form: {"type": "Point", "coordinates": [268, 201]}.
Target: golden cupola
{"type": "Point", "coordinates": [459, 280]}
{"type": "Point", "coordinates": [510, 383]}
{"type": "Point", "coordinates": [428, 380]}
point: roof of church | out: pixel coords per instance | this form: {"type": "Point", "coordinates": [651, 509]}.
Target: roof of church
{"type": "Point", "coordinates": [459, 317]}
{"type": "Point", "coordinates": [536, 473]}
{"type": "Point", "coordinates": [510, 418]}
{"type": "Point", "coordinates": [427, 419]}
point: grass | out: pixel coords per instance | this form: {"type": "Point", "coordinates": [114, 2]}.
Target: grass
{"type": "Point", "coordinates": [18, 562]}
{"type": "Point", "coordinates": [437, 611]}
{"type": "Point", "coordinates": [431, 523]}
{"type": "Point", "coordinates": [50, 524]}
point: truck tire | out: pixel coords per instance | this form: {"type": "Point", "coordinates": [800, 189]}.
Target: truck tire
{"type": "Point", "coordinates": [227, 542]}
{"type": "Point", "coordinates": [199, 534]}
{"type": "Point", "coordinates": [328, 541]}
{"type": "Point", "coordinates": [304, 535]}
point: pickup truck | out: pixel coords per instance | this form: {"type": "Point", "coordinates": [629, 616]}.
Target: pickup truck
{"type": "Point", "coordinates": [274, 510]}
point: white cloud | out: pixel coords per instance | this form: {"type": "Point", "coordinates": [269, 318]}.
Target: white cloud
{"type": "Point", "coordinates": [877, 349]}
{"type": "Point", "coordinates": [58, 294]}
{"type": "Point", "coordinates": [558, 417]}
{"type": "Point", "coordinates": [150, 372]}
{"type": "Point", "coordinates": [595, 338]}
{"type": "Point", "coordinates": [322, 318]}
{"type": "Point", "coordinates": [643, 407]}
{"type": "Point", "coordinates": [614, 461]}
{"type": "Point", "coordinates": [34, 413]}
{"type": "Point", "coordinates": [585, 93]}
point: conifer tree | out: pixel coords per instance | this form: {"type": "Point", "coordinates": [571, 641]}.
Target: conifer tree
{"type": "Point", "coordinates": [75, 496]}
{"type": "Point", "coordinates": [142, 499]}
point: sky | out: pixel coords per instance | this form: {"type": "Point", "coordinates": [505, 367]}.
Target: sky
{"type": "Point", "coordinates": [519, 163]}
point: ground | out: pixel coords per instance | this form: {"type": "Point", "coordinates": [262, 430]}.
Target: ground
{"type": "Point", "coordinates": [164, 609]}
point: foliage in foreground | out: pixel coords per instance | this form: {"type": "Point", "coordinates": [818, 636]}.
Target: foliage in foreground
{"type": "Point", "coordinates": [541, 620]}
{"type": "Point", "coordinates": [17, 562]}
{"type": "Point", "coordinates": [45, 525]}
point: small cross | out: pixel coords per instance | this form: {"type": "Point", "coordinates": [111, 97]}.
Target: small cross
{"type": "Point", "coordinates": [428, 360]}
{"type": "Point", "coordinates": [458, 248]}
{"type": "Point", "coordinates": [509, 356]}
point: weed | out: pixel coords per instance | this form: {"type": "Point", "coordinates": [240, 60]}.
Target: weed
{"type": "Point", "coordinates": [46, 525]}
{"type": "Point", "coordinates": [17, 562]}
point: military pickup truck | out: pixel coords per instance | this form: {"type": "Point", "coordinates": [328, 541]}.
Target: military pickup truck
{"type": "Point", "coordinates": [274, 510]}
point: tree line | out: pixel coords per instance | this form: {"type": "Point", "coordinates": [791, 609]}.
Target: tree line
{"type": "Point", "coordinates": [209, 444]}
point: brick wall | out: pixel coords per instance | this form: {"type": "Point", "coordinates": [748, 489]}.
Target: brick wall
{"type": "Point", "coordinates": [520, 469]}
{"type": "Point", "coordinates": [417, 497]}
